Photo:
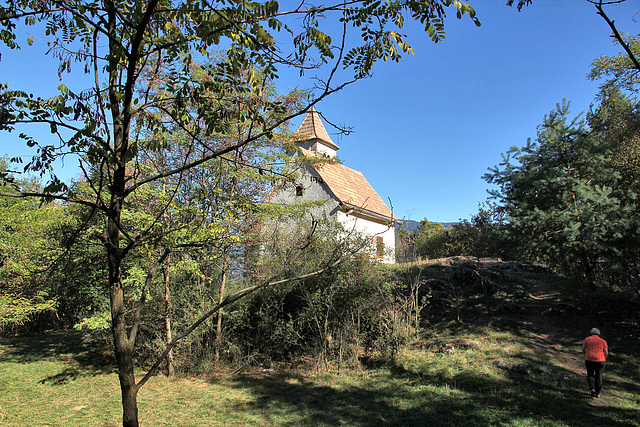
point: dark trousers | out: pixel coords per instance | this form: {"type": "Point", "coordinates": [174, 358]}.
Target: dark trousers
{"type": "Point", "coordinates": [594, 375]}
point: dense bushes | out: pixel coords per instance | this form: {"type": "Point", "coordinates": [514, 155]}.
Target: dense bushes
{"type": "Point", "coordinates": [333, 317]}
{"type": "Point", "coordinates": [482, 236]}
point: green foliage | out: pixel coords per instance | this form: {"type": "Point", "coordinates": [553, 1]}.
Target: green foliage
{"type": "Point", "coordinates": [16, 310]}
{"type": "Point", "coordinates": [28, 251]}
{"type": "Point", "coordinates": [481, 236]}
{"type": "Point", "coordinates": [99, 322]}
{"type": "Point", "coordinates": [431, 239]}
{"type": "Point", "coordinates": [427, 241]}
{"type": "Point", "coordinates": [620, 70]}
{"type": "Point", "coordinates": [332, 316]}
{"type": "Point", "coordinates": [568, 205]}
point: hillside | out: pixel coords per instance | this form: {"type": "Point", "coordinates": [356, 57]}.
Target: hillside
{"type": "Point", "coordinates": [529, 303]}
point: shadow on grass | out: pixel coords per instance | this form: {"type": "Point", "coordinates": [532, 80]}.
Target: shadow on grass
{"type": "Point", "coordinates": [386, 404]}
{"type": "Point", "coordinates": [622, 371]}
{"type": "Point", "coordinates": [90, 357]}
{"type": "Point", "coordinates": [399, 397]}
{"type": "Point", "coordinates": [65, 377]}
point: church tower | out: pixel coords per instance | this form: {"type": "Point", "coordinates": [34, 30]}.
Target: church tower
{"type": "Point", "coordinates": [316, 139]}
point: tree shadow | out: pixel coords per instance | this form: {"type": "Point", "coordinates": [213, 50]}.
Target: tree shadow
{"type": "Point", "coordinates": [87, 357]}
{"type": "Point", "coordinates": [65, 377]}
{"type": "Point", "coordinates": [401, 397]}
{"type": "Point", "coordinates": [351, 404]}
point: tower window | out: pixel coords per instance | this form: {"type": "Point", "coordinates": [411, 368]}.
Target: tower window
{"type": "Point", "coordinates": [299, 190]}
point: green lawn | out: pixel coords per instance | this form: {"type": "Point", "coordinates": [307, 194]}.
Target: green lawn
{"type": "Point", "coordinates": [53, 380]}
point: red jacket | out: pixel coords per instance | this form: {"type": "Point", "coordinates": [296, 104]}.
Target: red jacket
{"type": "Point", "coordinates": [595, 349]}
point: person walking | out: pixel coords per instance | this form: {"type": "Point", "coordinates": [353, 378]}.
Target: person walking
{"type": "Point", "coordinates": [595, 351]}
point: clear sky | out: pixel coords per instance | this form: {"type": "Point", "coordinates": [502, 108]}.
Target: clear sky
{"type": "Point", "coordinates": [427, 128]}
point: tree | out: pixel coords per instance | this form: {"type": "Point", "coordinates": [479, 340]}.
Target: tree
{"type": "Point", "coordinates": [27, 252]}
{"type": "Point", "coordinates": [211, 207]}
{"type": "Point", "coordinates": [622, 71]}
{"type": "Point", "coordinates": [566, 201]}
{"type": "Point", "coordinates": [430, 239]}
{"type": "Point", "coordinates": [118, 42]}
{"type": "Point", "coordinates": [480, 236]}
{"type": "Point", "coordinates": [406, 245]}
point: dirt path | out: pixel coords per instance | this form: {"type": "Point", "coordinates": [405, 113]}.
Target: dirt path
{"type": "Point", "coordinates": [556, 338]}
{"type": "Point", "coordinates": [548, 336]}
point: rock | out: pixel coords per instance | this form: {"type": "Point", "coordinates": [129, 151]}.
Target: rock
{"type": "Point", "coordinates": [517, 367]}
{"type": "Point", "coordinates": [543, 370]}
{"type": "Point", "coordinates": [502, 364]}
{"type": "Point", "coordinates": [445, 348]}
{"type": "Point", "coordinates": [522, 368]}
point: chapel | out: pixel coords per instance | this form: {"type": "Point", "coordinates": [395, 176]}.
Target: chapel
{"type": "Point", "coordinates": [349, 197]}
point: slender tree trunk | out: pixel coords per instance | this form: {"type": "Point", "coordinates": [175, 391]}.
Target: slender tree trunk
{"type": "Point", "coordinates": [167, 320]}
{"type": "Point", "coordinates": [123, 345]}
{"type": "Point", "coordinates": [589, 275]}
{"type": "Point", "coordinates": [225, 267]}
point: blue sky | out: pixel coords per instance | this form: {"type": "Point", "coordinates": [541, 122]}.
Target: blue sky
{"type": "Point", "coordinates": [427, 128]}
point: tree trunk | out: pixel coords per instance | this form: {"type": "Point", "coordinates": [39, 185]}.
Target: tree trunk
{"type": "Point", "coordinates": [122, 345]}
{"type": "Point", "coordinates": [590, 277]}
{"type": "Point", "coordinates": [225, 267]}
{"type": "Point", "coordinates": [128, 388]}
{"type": "Point", "coordinates": [167, 320]}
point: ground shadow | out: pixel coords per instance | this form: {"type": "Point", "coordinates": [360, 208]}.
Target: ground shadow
{"type": "Point", "coordinates": [467, 404]}
{"type": "Point", "coordinates": [86, 357]}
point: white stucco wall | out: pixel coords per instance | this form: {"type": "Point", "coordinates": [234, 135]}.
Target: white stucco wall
{"type": "Point", "coordinates": [317, 146]}
{"type": "Point", "coordinates": [314, 189]}
{"type": "Point", "coordinates": [373, 229]}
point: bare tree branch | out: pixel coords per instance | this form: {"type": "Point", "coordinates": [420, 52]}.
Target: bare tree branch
{"type": "Point", "coordinates": [616, 33]}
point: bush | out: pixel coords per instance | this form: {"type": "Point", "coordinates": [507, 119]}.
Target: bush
{"type": "Point", "coordinates": [333, 317]}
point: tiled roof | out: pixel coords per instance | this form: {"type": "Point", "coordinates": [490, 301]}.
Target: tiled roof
{"type": "Point", "coordinates": [312, 128]}
{"type": "Point", "coordinates": [350, 186]}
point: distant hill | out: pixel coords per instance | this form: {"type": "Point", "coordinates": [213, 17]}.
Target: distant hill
{"type": "Point", "coordinates": [411, 225]}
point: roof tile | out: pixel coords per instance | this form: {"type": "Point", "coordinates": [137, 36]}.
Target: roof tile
{"type": "Point", "coordinates": [350, 186]}
{"type": "Point", "coordinates": [312, 128]}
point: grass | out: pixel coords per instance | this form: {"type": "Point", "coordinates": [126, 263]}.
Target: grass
{"type": "Point", "coordinates": [454, 374]}
{"type": "Point", "coordinates": [423, 387]}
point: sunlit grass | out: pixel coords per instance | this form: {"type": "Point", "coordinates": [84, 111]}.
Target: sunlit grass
{"type": "Point", "coordinates": [425, 386]}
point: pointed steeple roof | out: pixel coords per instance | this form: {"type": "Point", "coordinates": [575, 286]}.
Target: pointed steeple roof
{"type": "Point", "coordinates": [312, 128]}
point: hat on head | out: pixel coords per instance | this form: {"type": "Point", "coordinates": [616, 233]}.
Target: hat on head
{"type": "Point", "coordinates": [595, 331]}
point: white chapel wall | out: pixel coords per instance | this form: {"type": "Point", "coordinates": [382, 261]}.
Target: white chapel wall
{"type": "Point", "coordinates": [373, 229]}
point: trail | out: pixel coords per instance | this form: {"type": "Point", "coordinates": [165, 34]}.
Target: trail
{"type": "Point", "coordinates": [556, 337]}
